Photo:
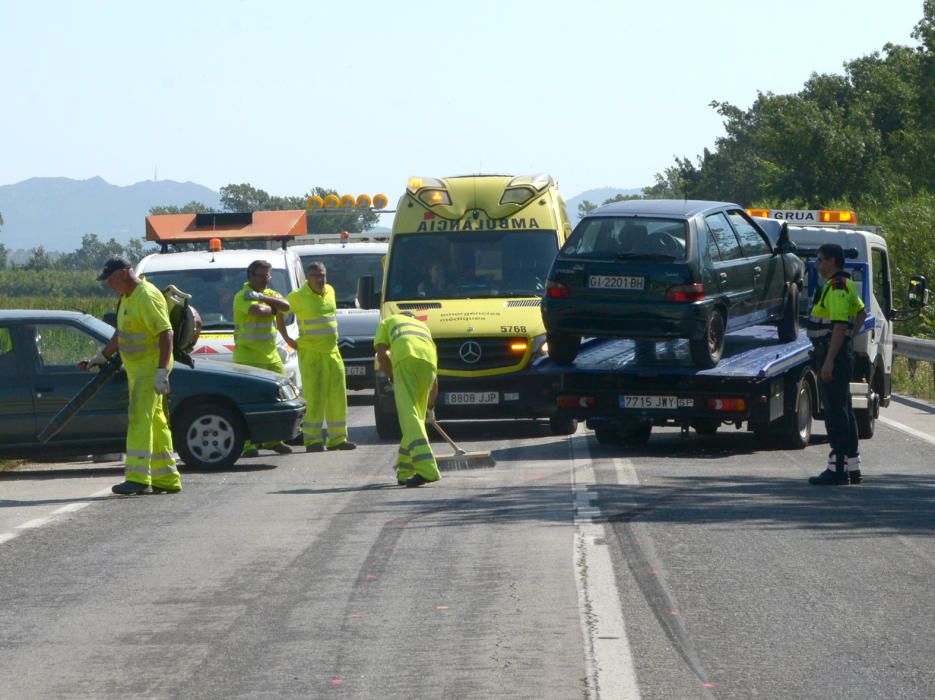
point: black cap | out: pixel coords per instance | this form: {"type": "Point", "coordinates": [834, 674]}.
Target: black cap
{"type": "Point", "coordinates": [111, 266]}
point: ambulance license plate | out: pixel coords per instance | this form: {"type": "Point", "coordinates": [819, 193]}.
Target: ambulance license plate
{"type": "Point", "coordinates": [616, 282]}
{"type": "Point", "coordinates": [355, 371]}
{"type": "Point", "coordinates": [464, 398]}
{"type": "Point", "coordinates": [654, 402]}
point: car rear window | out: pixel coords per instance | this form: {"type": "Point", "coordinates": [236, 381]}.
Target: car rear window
{"type": "Point", "coordinates": [628, 237]}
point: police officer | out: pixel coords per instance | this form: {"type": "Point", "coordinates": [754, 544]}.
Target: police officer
{"type": "Point", "coordinates": [406, 353]}
{"type": "Point", "coordinates": [144, 341]}
{"type": "Point", "coordinates": [258, 313]}
{"type": "Point", "coordinates": [320, 363]}
{"type": "Point", "coordinates": [835, 316]}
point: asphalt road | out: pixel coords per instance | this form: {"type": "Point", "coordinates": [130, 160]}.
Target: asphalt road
{"type": "Point", "coordinates": [696, 567]}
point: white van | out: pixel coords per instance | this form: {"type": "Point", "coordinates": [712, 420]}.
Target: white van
{"type": "Point", "coordinates": [213, 278]}
{"type": "Point", "coordinates": [345, 263]}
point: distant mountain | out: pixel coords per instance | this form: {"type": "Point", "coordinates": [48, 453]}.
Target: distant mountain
{"type": "Point", "coordinates": [598, 197]}
{"type": "Point", "coordinates": [55, 212]}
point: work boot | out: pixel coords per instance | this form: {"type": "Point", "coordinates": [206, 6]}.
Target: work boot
{"type": "Point", "coordinates": [418, 480]}
{"type": "Point", "coordinates": [829, 477]}
{"type": "Point", "coordinates": [130, 488]}
{"type": "Point", "coordinates": [252, 452]}
{"type": "Point", "coordinates": [281, 449]}
{"type": "Point", "coordinates": [346, 445]}
{"type": "Point", "coordinates": [317, 447]}
{"type": "Point", "coordinates": [167, 489]}
{"type": "Point", "coordinates": [853, 469]}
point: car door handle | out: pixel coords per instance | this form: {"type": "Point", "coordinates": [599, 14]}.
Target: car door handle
{"type": "Point", "coordinates": [722, 279]}
{"type": "Point", "coordinates": [757, 271]}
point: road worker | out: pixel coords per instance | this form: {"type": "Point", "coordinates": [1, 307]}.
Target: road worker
{"type": "Point", "coordinates": [406, 353]}
{"type": "Point", "coordinates": [838, 313]}
{"type": "Point", "coordinates": [144, 340]}
{"type": "Point", "coordinates": [320, 364]}
{"type": "Point", "coordinates": [258, 312]}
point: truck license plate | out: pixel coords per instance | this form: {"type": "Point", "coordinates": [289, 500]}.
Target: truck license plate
{"type": "Point", "coordinates": [616, 282]}
{"type": "Point", "coordinates": [356, 371]}
{"type": "Point", "coordinates": [459, 398]}
{"type": "Point", "coordinates": [654, 402]}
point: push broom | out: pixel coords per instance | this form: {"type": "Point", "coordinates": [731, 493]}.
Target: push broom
{"type": "Point", "coordinates": [461, 459]}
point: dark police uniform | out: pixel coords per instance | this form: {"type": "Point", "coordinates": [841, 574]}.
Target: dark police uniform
{"type": "Point", "coordinates": [837, 303]}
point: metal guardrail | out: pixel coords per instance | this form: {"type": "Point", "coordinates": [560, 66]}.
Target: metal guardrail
{"type": "Point", "coordinates": [914, 348]}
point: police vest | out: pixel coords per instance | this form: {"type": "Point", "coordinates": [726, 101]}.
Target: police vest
{"type": "Point", "coordinates": [836, 302]}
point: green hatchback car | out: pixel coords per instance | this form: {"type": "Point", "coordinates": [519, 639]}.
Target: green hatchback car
{"type": "Point", "coordinates": [662, 269]}
{"type": "Point", "coordinates": [213, 407]}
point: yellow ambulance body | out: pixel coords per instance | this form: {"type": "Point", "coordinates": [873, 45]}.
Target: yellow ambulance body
{"type": "Point", "coordinates": [469, 256]}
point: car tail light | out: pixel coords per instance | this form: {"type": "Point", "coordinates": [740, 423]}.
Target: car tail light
{"type": "Point", "coordinates": [729, 404]}
{"type": "Point", "coordinates": [685, 293]}
{"type": "Point", "coordinates": [572, 401]}
{"type": "Point", "coordinates": [556, 290]}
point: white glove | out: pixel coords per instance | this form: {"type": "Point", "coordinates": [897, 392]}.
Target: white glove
{"type": "Point", "coordinates": [430, 415]}
{"type": "Point", "coordinates": [161, 385]}
{"type": "Point", "coordinates": [253, 295]}
{"type": "Point", "coordinates": [97, 361]}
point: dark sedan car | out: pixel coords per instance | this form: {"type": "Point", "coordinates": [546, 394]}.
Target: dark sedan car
{"type": "Point", "coordinates": [661, 269]}
{"type": "Point", "coordinates": [213, 408]}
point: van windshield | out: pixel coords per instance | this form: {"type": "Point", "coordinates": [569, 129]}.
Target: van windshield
{"type": "Point", "coordinates": [620, 238]}
{"type": "Point", "coordinates": [213, 290]}
{"type": "Point", "coordinates": [470, 266]}
{"type": "Point", "coordinates": [343, 271]}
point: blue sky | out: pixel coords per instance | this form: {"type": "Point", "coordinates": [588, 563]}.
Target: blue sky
{"type": "Point", "coordinates": [358, 96]}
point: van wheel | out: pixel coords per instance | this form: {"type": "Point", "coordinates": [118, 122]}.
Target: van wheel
{"type": "Point", "coordinates": [789, 323]}
{"type": "Point", "coordinates": [209, 436]}
{"type": "Point", "coordinates": [706, 351]}
{"type": "Point", "coordinates": [387, 422]}
{"type": "Point", "coordinates": [797, 425]}
{"type": "Point", "coordinates": [562, 426]}
{"type": "Point", "coordinates": [563, 349]}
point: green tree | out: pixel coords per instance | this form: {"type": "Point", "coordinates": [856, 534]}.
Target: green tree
{"type": "Point", "coordinates": [39, 259]}
{"type": "Point", "coordinates": [585, 208]}
{"type": "Point", "coordinates": [192, 207]}
{"type": "Point", "coordinates": [4, 255]}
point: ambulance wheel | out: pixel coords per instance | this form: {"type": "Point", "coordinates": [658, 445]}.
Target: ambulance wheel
{"type": "Point", "coordinates": [209, 436]}
{"type": "Point", "coordinates": [706, 351]}
{"type": "Point", "coordinates": [387, 423]}
{"type": "Point", "coordinates": [563, 349]}
{"type": "Point", "coordinates": [562, 426]}
{"type": "Point", "coordinates": [789, 323]}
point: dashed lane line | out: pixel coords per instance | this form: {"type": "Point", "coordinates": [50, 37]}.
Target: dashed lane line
{"type": "Point", "coordinates": [51, 517]}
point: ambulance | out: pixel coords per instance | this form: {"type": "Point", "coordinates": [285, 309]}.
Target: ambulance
{"type": "Point", "coordinates": [206, 255]}
{"type": "Point", "coordinates": [469, 256]}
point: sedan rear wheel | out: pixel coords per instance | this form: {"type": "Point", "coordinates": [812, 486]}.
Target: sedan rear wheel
{"type": "Point", "coordinates": [706, 351]}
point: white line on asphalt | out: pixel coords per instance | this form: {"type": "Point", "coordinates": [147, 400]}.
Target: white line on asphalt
{"type": "Point", "coordinates": [906, 429]}
{"type": "Point", "coordinates": [609, 661]}
{"type": "Point", "coordinates": [51, 517]}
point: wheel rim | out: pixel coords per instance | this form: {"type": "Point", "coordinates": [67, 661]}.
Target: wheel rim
{"type": "Point", "coordinates": [803, 414]}
{"type": "Point", "coordinates": [715, 334]}
{"type": "Point", "coordinates": [210, 438]}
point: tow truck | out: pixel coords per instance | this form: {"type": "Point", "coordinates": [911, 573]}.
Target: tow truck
{"type": "Point", "coordinates": [622, 391]}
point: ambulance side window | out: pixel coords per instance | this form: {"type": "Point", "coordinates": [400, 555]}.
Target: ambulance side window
{"type": "Point", "coordinates": [882, 289]}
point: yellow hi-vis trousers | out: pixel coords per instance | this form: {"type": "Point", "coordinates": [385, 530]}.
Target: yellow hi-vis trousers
{"type": "Point", "coordinates": [149, 441]}
{"type": "Point", "coordinates": [325, 390]}
{"type": "Point", "coordinates": [412, 381]}
{"type": "Point", "coordinates": [273, 366]}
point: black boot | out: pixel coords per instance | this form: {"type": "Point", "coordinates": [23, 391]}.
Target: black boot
{"type": "Point", "coordinates": [832, 477]}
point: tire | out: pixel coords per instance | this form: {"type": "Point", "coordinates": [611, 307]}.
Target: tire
{"type": "Point", "coordinates": [606, 435]}
{"type": "Point", "coordinates": [788, 326]}
{"type": "Point", "coordinates": [797, 425]}
{"type": "Point", "coordinates": [636, 436]}
{"type": "Point", "coordinates": [706, 351]}
{"type": "Point", "coordinates": [706, 426]}
{"type": "Point", "coordinates": [209, 436]}
{"type": "Point", "coordinates": [563, 349]}
{"type": "Point", "coordinates": [563, 426]}
{"type": "Point", "coordinates": [867, 421]}
{"type": "Point", "coordinates": [644, 351]}
{"type": "Point", "coordinates": [387, 423]}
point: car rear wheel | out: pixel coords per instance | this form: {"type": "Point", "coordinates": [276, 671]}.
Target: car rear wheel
{"type": "Point", "coordinates": [706, 351]}
{"type": "Point", "coordinates": [563, 349]}
{"type": "Point", "coordinates": [209, 436]}
{"type": "Point", "coordinates": [789, 323]}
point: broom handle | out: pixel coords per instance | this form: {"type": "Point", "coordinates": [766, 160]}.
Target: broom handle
{"type": "Point", "coordinates": [445, 435]}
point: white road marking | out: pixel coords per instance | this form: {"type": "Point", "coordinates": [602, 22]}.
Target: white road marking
{"type": "Point", "coordinates": [51, 517]}
{"type": "Point", "coordinates": [906, 429]}
{"type": "Point", "coordinates": [608, 659]}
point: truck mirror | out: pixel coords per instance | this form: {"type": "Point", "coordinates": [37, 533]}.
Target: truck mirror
{"type": "Point", "coordinates": [367, 298]}
{"type": "Point", "coordinates": [918, 292]}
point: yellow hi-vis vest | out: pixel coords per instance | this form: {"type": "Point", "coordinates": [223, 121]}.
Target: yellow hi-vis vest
{"type": "Point", "coordinates": [254, 336]}
{"type": "Point", "coordinates": [838, 302]}
{"type": "Point", "coordinates": [141, 319]}
{"type": "Point", "coordinates": [406, 336]}
{"type": "Point", "coordinates": [316, 315]}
